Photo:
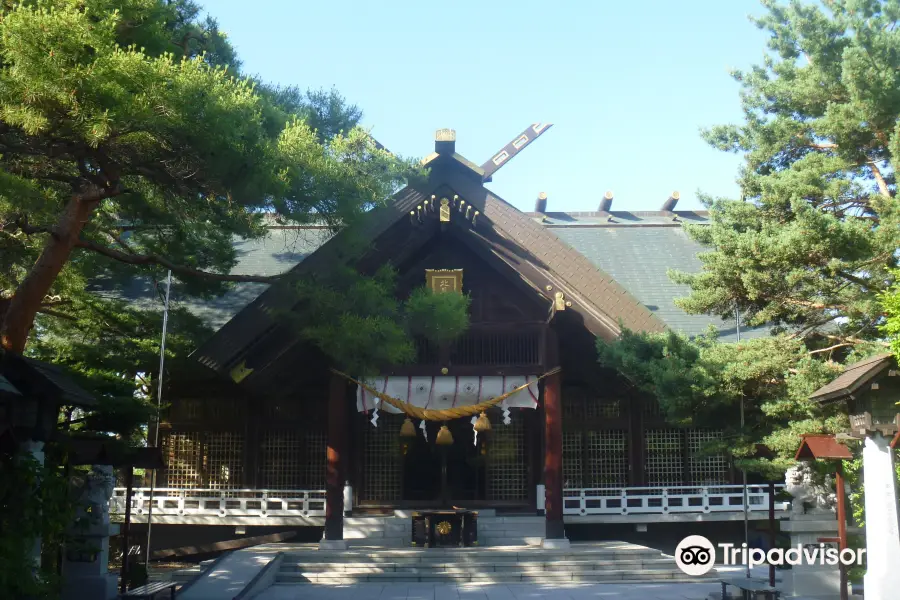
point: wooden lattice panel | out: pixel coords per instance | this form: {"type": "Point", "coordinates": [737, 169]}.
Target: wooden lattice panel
{"type": "Point", "coordinates": [382, 459]}
{"type": "Point", "coordinates": [664, 457]}
{"type": "Point", "coordinates": [706, 469]}
{"type": "Point", "coordinates": [607, 458]}
{"type": "Point", "coordinates": [316, 458]}
{"type": "Point", "coordinates": [183, 456]}
{"type": "Point", "coordinates": [224, 460]}
{"type": "Point", "coordinates": [293, 460]}
{"type": "Point", "coordinates": [507, 469]}
{"type": "Point", "coordinates": [573, 465]}
{"type": "Point", "coordinates": [281, 460]}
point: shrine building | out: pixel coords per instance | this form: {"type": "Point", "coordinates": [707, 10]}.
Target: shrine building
{"type": "Point", "coordinates": [265, 433]}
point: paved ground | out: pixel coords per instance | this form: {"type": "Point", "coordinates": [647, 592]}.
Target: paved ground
{"type": "Point", "coordinates": [518, 591]}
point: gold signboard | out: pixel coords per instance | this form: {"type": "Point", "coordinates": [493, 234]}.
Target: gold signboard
{"type": "Point", "coordinates": [444, 280]}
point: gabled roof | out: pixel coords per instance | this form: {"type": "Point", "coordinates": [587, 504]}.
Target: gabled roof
{"type": "Point", "coordinates": [821, 445]}
{"type": "Point", "coordinates": [550, 264]}
{"type": "Point", "coordinates": [854, 377]}
{"type": "Point", "coordinates": [23, 376]}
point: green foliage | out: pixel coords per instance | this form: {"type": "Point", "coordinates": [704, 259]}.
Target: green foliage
{"type": "Point", "coordinates": [140, 106]}
{"type": "Point", "coordinates": [359, 324]}
{"type": "Point", "coordinates": [136, 114]}
{"type": "Point", "coordinates": [810, 250]}
{"type": "Point", "coordinates": [33, 502]}
{"type": "Point", "coordinates": [440, 318]}
{"type": "Point", "coordinates": [814, 241]}
{"type": "Point", "coordinates": [890, 301]}
{"type": "Point", "coordinates": [703, 382]}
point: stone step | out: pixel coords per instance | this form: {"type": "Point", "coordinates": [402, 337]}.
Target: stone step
{"type": "Point", "coordinates": [431, 555]}
{"type": "Point", "coordinates": [512, 540]}
{"type": "Point", "coordinates": [612, 575]}
{"type": "Point", "coordinates": [455, 567]}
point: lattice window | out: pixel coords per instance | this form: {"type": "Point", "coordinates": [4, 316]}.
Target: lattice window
{"type": "Point", "coordinates": [607, 456]}
{"type": "Point", "coordinates": [382, 459]}
{"type": "Point", "coordinates": [281, 460]}
{"type": "Point", "coordinates": [183, 452]}
{"type": "Point", "coordinates": [293, 460]}
{"type": "Point", "coordinates": [315, 460]}
{"type": "Point", "coordinates": [705, 468]}
{"type": "Point", "coordinates": [224, 460]}
{"type": "Point", "coordinates": [572, 459]}
{"type": "Point", "coordinates": [507, 469]}
{"type": "Point", "coordinates": [664, 456]}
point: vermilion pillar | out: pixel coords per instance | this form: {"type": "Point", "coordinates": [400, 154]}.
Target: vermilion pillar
{"type": "Point", "coordinates": [553, 457]}
{"type": "Point", "coordinates": [337, 458]}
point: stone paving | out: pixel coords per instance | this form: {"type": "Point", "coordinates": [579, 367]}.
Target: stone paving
{"type": "Point", "coordinates": [426, 591]}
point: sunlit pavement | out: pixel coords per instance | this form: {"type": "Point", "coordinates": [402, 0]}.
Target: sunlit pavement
{"type": "Point", "coordinates": [441, 591]}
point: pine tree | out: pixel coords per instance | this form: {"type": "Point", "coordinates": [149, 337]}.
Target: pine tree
{"type": "Point", "coordinates": [814, 241]}
{"type": "Point", "coordinates": [811, 247]}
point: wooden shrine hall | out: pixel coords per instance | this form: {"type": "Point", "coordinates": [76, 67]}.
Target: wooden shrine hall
{"type": "Point", "coordinates": [268, 433]}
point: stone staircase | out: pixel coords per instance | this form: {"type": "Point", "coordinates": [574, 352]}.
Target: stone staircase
{"type": "Point", "coordinates": [589, 562]}
{"type": "Point", "coordinates": [396, 531]}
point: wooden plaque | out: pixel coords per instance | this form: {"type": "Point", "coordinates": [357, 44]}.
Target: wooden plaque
{"type": "Point", "coordinates": [444, 280]}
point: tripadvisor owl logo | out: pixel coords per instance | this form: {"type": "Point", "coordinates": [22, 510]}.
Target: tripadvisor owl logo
{"type": "Point", "coordinates": [695, 555]}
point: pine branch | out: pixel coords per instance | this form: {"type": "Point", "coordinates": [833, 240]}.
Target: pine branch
{"type": "Point", "coordinates": [57, 314]}
{"type": "Point", "coordinates": [155, 259]}
{"type": "Point", "coordinates": [829, 348]}
{"type": "Point", "coordinates": [879, 179]}
{"type": "Point", "coordinates": [854, 340]}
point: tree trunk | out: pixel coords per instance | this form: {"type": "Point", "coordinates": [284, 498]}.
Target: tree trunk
{"type": "Point", "coordinates": [23, 306]}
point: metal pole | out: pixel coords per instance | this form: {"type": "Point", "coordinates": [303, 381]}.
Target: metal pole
{"type": "Point", "coordinates": [129, 490]}
{"type": "Point", "coordinates": [159, 391]}
{"type": "Point", "coordinates": [737, 322]}
{"type": "Point", "coordinates": [772, 531]}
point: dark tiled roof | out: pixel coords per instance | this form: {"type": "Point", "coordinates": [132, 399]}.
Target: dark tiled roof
{"type": "Point", "coordinates": [638, 249]}
{"type": "Point", "coordinates": [20, 375]}
{"type": "Point", "coordinates": [853, 377]}
{"type": "Point", "coordinates": [278, 252]}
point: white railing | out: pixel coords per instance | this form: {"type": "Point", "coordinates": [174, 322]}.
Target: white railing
{"type": "Point", "coordinates": [180, 502]}
{"type": "Point", "coordinates": [668, 500]}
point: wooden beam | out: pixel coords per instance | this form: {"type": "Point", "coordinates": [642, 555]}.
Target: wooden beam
{"type": "Point", "coordinates": [519, 143]}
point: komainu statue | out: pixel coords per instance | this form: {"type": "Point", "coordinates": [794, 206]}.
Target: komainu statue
{"type": "Point", "coordinates": [811, 493]}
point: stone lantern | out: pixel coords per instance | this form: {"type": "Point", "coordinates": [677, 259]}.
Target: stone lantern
{"type": "Point", "coordinates": [870, 389]}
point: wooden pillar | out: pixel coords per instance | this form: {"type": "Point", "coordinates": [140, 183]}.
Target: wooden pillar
{"type": "Point", "coordinates": [553, 457]}
{"type": "Point", "coordinates": [842, 524]}
{"type": "Point", "coordinates": [336, 464]}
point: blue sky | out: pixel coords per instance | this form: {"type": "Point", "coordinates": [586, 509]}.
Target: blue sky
{"type": "Point", "coordinates": [627, 85]}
